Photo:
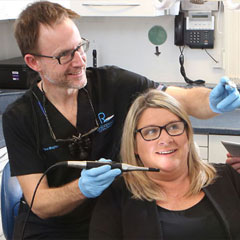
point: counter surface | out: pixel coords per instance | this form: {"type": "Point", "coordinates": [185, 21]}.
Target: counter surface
{"type": "Point", "coordinates": [223, 124]}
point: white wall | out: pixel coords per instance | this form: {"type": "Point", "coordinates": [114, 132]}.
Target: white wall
{"type": "Point", "coordinates": [123, 41]}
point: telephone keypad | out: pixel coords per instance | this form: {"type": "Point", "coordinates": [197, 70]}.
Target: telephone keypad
{"type": "Point", "coordinates": [199, 38]}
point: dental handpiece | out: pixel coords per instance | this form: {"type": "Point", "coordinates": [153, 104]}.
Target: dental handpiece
{"type": "Point", "coordinates": [231, 84]}
{"type": "Point", "coordinates": [123, 166]}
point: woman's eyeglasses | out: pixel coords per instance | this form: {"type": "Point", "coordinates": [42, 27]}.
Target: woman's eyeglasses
{"type": "Point", "coordinates": [67, 56]}
{"type": "Point", "coordinates": [151, 133]}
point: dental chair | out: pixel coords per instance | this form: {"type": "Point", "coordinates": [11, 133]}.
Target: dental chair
{"type": "Point", "coordinates": [10, 198]}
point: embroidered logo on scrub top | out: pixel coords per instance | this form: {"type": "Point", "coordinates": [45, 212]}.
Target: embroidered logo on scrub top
{"type": "Point", "coordinates": [105, 122]}
{"type": "Point", "coordinates": [50, 148]}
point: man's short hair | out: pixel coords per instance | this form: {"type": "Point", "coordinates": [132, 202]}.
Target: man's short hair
{"type": "Point", "coordinates": [27, 26]}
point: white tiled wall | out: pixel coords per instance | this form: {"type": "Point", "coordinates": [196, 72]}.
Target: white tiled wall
{"type": "Point", "coordinates": [3, 161]}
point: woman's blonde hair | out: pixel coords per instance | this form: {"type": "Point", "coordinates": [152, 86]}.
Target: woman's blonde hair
{"type": "Point", "coordinates": [201, 174]}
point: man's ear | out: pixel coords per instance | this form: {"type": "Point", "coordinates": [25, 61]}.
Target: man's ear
{"type": "Point", "coordinates": [32, 62]}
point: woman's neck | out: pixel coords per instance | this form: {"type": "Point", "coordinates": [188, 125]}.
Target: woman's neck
{"type": "Point", "coordinates": [174, 187]}
{"type": "Point", "coordinates": [176, 197]}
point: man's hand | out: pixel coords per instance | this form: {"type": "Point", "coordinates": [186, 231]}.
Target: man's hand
{"type": "Point", "coordinates": [224, 97]}
{"type": "Point", "coordinates": [94, 181]}
{"type": "Point", "coordinates": [234, 162]}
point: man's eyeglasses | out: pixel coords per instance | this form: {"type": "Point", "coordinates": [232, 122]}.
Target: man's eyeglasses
{"type": "Point", "coordinates": [67, 56]}
{"type": "Point", "coordinates": [151, 133]}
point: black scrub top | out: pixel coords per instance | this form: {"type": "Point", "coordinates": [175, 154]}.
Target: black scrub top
{"type": "Point", "coordinates": [31, 147]}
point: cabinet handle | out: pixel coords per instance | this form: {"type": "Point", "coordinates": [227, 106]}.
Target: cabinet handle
{"type": "Point", "coordinates": [109, 4]}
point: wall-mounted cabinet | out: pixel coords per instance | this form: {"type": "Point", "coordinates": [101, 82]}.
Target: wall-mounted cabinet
{"type": "Point", "coordinates": [112, 8]}
{"type": "Point", "coordinates": [120, 8]}
{"type": "Point", "coordinates": [11, 9]}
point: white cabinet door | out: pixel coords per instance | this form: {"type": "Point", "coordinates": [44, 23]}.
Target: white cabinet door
{"type": "Point", "coordinates": [11, 9]}
{"type": "Point", "coordinates": [217, 152]}
{"type": "Point", "coordinates": [114, 8]}
{"type": "Point", "coordinates": [202, 143]}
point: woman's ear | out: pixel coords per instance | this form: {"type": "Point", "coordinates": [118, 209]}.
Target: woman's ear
{"type": "Point", "coordinates": [32, 62]}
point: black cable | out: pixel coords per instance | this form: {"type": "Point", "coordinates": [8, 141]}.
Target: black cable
{"type": "Point", "coordinates": [81, 165]}
{"type": "Point", "coordinates": [182, 71]}
{"type": "Point", "coordinates": [211, 56]}
{"type": "Point", "coordinates": [35, 191]}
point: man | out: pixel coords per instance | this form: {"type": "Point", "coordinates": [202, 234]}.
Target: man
{"type": "Point", "coordinates": [74, 114]}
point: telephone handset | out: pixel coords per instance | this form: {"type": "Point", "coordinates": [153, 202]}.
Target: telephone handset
{"type": "Point", "coordinates": [179, 29]}
{"type": "Point", "coordinates": [195, 31]}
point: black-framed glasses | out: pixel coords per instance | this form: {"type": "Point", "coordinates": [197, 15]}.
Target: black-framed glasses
{"type": "Point", "coordinates": [151, 133]}
{"type": "Point", "coordinates": [67, 56]}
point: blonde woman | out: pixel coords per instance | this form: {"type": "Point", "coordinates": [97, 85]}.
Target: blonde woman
{"type": "Point", "coordinates": [187, 199]}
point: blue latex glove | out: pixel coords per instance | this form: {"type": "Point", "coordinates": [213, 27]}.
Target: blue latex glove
{"type": "Point", "coordinates": [224, 98]}
{"type": "Point", "coordinates": [95, 180]}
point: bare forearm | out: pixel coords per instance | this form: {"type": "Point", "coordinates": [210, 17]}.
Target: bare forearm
{"type": "Point", "coordinates": [51, 202]}
{"type": "Point", "coordinates": [194, 100]}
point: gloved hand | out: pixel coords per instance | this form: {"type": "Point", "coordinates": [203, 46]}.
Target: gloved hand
{"type": "Point", "coordinates": [95, 180]}
{"type": "Point", "coordinates": [224, 98]}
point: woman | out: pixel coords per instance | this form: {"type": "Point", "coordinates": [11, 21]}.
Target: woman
{"type": "Point", "coordinates": [187, 199]}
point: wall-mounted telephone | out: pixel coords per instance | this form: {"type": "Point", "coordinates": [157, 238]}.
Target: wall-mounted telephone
{"type": "Point", "coordinates": [195, 31]}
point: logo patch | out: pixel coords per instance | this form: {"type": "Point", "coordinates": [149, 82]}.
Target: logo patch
{"type": "Point", "coordinates": [106, 122]}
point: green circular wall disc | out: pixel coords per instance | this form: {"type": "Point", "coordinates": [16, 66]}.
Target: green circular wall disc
{"type": "Point", "coordinates": [157, 35]}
